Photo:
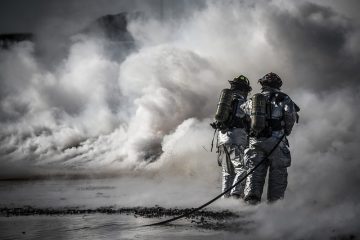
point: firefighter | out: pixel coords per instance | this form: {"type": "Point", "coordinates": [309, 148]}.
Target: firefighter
{"type": "Point", "coordinates": [232, 136]}
{"type": "Point", "coordinates": [272, 115]}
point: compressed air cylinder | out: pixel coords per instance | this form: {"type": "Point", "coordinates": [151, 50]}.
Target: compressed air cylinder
{"type": "Point", "coordinates": [258, 112]}
{"type": "Point", "coordinates": [224, 106]}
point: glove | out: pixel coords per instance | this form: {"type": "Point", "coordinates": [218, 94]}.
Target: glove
{"type": "Point", "coordinates": [217, 125]}
{"type": "Point", "coordinates": [214, 125]}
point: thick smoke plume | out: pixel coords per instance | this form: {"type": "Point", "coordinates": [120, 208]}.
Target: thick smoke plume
{"type": "Point", "coordinates": [149, 111]}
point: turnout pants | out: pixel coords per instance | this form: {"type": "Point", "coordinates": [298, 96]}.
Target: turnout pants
{"type": "Point", "coordinates": [231, 159]}
{"type": "Point", "coordinates": [277, 164]}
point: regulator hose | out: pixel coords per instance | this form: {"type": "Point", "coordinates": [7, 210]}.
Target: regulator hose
{"type": "Point", "coordinates": [220, 195]}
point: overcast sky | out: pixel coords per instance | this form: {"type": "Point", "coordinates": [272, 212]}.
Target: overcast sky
{"type": "Point", "coordinates": [31, 16]}
{"type": "Point", "coordinates": [27, 16]}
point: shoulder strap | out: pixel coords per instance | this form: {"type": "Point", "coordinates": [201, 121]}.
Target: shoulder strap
{"type": "Point", "coordinates": [280, 96]}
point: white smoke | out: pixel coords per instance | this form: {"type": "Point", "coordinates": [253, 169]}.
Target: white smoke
{"type": "Point", "coordinates": [149, 114]}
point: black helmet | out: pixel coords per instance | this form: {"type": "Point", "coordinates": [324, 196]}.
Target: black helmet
{"type": "Point", "coordinates": [241, 82]}
{"type": "Point", "coordinates": [271, 80]}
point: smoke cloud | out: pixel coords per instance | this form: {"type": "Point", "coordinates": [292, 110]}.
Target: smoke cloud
{"type": "Point", "coordinates": [148, 111]}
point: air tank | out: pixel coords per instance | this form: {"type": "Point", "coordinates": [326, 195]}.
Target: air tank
{"type": "Point", "coordinates": [258, 112]}
{"type": "Point", "coordinates": [224, 106]}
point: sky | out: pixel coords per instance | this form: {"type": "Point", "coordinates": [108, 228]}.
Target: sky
{"type": "Point", "coordinates": [72, 103]}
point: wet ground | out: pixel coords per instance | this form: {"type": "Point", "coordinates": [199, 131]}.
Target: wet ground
{"type": "Point", "coordinates": [112, 209]}
{"type": "Point", "coordinates": [204, 219]}
{"type": "Point", "coordinates": [146, 212]}
{"type": "Point", "coordinates": [97, 226]}
{"type": "Point", "coordinates": [110, 223]}
{"type": "Point", "coordinates": [120, 208]}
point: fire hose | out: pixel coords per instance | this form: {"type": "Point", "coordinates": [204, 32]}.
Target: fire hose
{"type": "Point", "coordinates": [220, 195]}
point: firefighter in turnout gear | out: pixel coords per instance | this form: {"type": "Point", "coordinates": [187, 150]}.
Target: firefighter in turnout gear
{"type": "Point", "coordinates": [232, 136]}
{"type": "Point", "coordinates": [272, 114]}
